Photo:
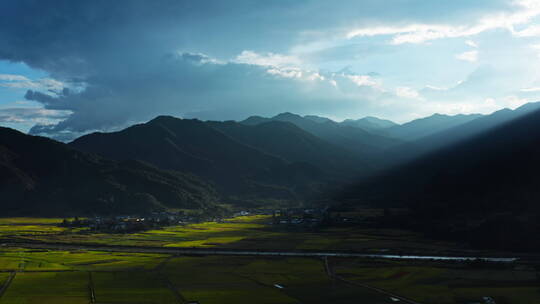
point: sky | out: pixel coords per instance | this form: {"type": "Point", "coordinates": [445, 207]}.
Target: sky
{"type": "Point", "coordinates": [72, 67]}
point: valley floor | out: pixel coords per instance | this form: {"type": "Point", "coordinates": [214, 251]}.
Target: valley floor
{"type": "Point", "coordinates": [85, 274]}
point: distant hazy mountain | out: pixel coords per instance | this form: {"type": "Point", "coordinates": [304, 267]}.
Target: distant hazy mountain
{"type": "Point", "coordinates": [39, 176]}
{"type": "Point", "coordinates": [369, 123]}
{"type": "Point", "coordinates": [478, 126]}
{"type": "Point", "coordinates": [318, 119]}
{"type": "Point", "coordinates": [255, 120]}
{"type": "Point", "coordinates": [353, 139]}
{"type": "Point", "coordinates": [484, 189]}
{"type": "Point", "coordinates": [287, 141]}
{"type": "Point", "coordinates": [196, 147]}
{"type": "Point", "coordinates": [449, 136]}
{"type": "Point", "coordinates": [429, 125]}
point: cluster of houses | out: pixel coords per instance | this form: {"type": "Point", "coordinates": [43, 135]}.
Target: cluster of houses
{"type": "Point", "coordinates": [131, 223]}
{"type": "Point", "coordinates": [313, 217]}
{"type": "Point", "coordinates": [300, 217]}
{"type": "Point", "coordinates": [485, 300]}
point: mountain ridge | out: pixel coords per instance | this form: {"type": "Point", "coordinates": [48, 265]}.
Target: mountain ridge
{"type": "Point", "coordinates": [190, 145]}
{"type": "Point", "coordinates": [41, 176]}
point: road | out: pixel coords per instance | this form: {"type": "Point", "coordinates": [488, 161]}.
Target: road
{"type": "Point", "coordinates": [232, 252]}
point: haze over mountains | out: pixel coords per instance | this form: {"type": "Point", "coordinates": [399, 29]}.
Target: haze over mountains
{"type": "Point", "coordinates": [430, 125]}
{"type": "Point", "coordinates": [484, 189]}
{"type": "Point", "coordinates": [258, 162]}
{"type": "Point", "coordinates": [369, 123]}
{"type": "Point", "coordinates": [354, 139]}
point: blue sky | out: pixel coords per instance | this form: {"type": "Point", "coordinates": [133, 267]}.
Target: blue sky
{"type": "Point", "coordinates": [72, 67]}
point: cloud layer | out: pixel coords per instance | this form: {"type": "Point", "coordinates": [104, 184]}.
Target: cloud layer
{"type": "Point", "coordinates": [113, 63]}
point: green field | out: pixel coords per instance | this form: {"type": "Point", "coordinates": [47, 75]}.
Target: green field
{"type": "Point", "coordinates": [48, 276]}
{"type": "Point", "coordinates": [246, 232]}
{"type": "Point", "coordinates": [440, 283]}
{"type": "Point", "coordinates": [47, 287]}
{"type": "Point", "coordinates": [45, 276]}
{"type": "Point", "coordinates": [131, 287]}
{"type": "Point", "coordinates": [68, 276]}
{"type": "Point", "coordinates": [44, 260]}
{"type": "Point", "coordinates": [253, 280]}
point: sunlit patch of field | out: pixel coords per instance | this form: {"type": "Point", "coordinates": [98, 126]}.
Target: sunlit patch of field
{"type": "Point", "coordinates": [20, 229]}
{"type": "Point", "coordinates": [45, 260]}
{"type": "Point", "coordinates": [29, 221]}
{"type": "Point", "coordinates": [207, 242]}
{"type": "Point", "coordinates": [48, 287]}
{"type": "Point", "coordinates": [440, 284]}
{"type": "Point", "coordinates": [244, 232]}
{"type": "Point", "coordinates": [132, 288]}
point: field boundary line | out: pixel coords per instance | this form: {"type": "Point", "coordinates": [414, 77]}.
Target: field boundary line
{"type": "Point", "coordinates": [159, 267]}
{"type": "Point", "coordinates": [393, 295]}
{"type": "Point", "coordinates": [7, 283]}
{"type": "Point", "coordinates": [91, 289]}
{"type": "Point", "coordinates": [334, 276]}
{"type": "Point", "coordinates": [172, 288]}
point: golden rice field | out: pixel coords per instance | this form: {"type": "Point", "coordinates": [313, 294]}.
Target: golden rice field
{"type": "Point", "coordinates": [77, 276]}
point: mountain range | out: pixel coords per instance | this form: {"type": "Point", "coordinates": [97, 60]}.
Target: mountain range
{"type": "Point", "coordinates": [287, 159]}
{"type": "Point", "coordinates": [237, 169]}
{"type": "Point", "coordinates": [422, 127]}
{"type": "Point", "coordinates": [357, 140]}
{"type": "Point", "coordinates": [39, 176]}
{"type": "Point", "coordinates": [370, 123]}
{"type": "Point", "coordinates": [483, 188]}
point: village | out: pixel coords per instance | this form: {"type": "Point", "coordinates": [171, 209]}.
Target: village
{"type": "Point", "coordinates": [289, 217]}
{"type": "Point", "coordinates": [134, 223]}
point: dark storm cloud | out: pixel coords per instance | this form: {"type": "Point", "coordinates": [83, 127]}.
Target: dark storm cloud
{"type": "Point", "coordinates": [189, 85]}
{"type": "Point", "coordinates": [132, 60]}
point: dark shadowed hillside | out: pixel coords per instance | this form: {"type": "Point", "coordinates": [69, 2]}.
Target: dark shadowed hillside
{"type": "Point", "coordinates": [354, 139]}
{"type": "Point", "coordinates": [429, 125]}
{"type": "Point", "coordinates": [463, 131]}
{"type": "Point", "coordinates": [287, 141]}
{"type": "Point", "coordinates": [195, 147]}
{"type": "Point", "coordinates": [39, 176]}
{"type": "Point", "coordinates": [485, 189]}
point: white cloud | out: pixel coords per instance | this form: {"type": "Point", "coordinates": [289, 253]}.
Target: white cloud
{"type": "Point", "coordinates": [268, 59]}
{"type": "Point", "coordinates": [419, 33]}
{"type": "Point", "coordinates": [531, 31]}
{"type": "Point", "coordinates": [471, 43]}
{"type": "Point", "coordinates": [364, 80]}
{"type": "Point", "coordinates": [12, 77]}
{"type": "Point", "coordinates": [22, 82]}
{"type": "Point", "coordinates": [532, 89]}
{"type": "Point", "coordinates": [286, 66]}
{"type": "Point", "coordinates": [34, 115]}
{"type": "Point", "coordinates": [514, 102]}
{"type": "Point", "coordinates": [407, 92]}
{"type": "Point", "coordinates": [286, 73]}
{"type": "Point", "coordinates": [471, 56]}
{"type": "Point", "coordinates": [434, 88]}
{"type": "Point", "coordinates": [510, 101]}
